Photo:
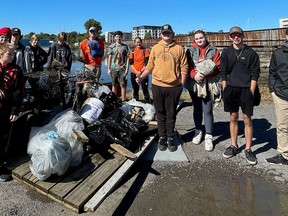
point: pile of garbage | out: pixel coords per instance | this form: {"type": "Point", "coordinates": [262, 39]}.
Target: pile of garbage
{"type": "Point", "coordinates": [103, 119]}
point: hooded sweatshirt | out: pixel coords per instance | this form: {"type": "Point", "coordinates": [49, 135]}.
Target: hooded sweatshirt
{"type": "Point", "coordinates": [167, 63]}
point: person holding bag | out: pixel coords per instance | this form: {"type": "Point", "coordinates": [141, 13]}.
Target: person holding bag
{"type": "Point", "coordinates": [204, 67]}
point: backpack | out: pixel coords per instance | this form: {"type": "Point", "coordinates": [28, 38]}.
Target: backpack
{"type": "Point", "coordinates": [94, 47]}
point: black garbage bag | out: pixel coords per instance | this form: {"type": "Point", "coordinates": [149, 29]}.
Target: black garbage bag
{"type": "Point", "coordinates": [116, 128]}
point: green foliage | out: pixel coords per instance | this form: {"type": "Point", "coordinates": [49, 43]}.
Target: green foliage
{"type": "Point", "coordinates": [147, 36]}
{"type": "Point", "coordinates": [93, 23]}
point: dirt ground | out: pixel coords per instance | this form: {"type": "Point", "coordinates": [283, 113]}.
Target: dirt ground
{"type": "Point", "coordinates": [206, 185]}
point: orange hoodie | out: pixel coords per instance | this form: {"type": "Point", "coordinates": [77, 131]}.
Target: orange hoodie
{"type": "Point", "coordinates": [167, 63]}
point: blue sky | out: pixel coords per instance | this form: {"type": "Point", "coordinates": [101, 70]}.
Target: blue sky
{"type": "Point", "coordinates": [187, 15]}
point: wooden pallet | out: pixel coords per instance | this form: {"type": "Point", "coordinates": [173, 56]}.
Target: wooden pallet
{"type": "Point", "coordinates": [86, 185]}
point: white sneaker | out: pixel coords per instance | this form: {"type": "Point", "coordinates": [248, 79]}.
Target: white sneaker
{"type": "Point", "coordinates": [208, 142]}
{"type": "Point", "coordinates": [197, 137]}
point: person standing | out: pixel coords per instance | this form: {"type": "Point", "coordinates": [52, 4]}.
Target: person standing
{"type": "Point", "coordinates": [200, 86]}
{"type": "Point", "coordinates": [92, 51]}
{"type": "Point", "coordinates": [240, 70]}
{"type": "Point", "coordinates": [5, 34]}
{"type": "Point", "coordinates": [168, 65]}
{"type": "Point", "coordinates": [118, 64]}
{"type": "Point", "coordinates": [278, 80]}
{"type": "Point", "coordinates": [35, 57]}
{"type": "Point", "coordinates": [138, 59]}
{"type": "Point", "coordinates": [11, 97]}
{"type": "Point", "coordinates": [19, 48]}
{"type": "Point", "coordinates": [61, 52]}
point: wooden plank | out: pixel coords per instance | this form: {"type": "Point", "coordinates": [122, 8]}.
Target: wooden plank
{"type": "Point", "coordinates": [80, 195]}
{"type": "Point", "coordinates": [122, 150]}
{"type": "Point", "coordinates": [80, 136]}
{"type": "Point", "coordinates": [101, 194]}
{"type": "Point", "coordinates": [21, 170]}
{"type": "Point", "coordinates": [69, 182]}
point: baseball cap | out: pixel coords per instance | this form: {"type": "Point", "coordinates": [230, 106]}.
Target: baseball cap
{"type": "Point", "coordinates": [16, 30]}
{"type": "Point", "coordinates": [5, 31]}
{"type": "Point", "coordinates": [236, 29]}
{"type": "Point", "coordinates": [166, 28]}
{"type": "Point", "coordinates": [92, 29]}
{"type": "Point", "coordinates": [287, 31]}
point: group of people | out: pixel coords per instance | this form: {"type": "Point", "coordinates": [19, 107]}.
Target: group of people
{"type": "Point", "coordinates": [201, 68]}
{"type": "Point", "coordinates": [16, 60]}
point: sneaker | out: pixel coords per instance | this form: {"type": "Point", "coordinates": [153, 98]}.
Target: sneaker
{"type": "Point", "coordinates": [209, 142]}
{"type": "Point", "coordinates": [5, 174]}
{"type": "Point", "coordinates": [197, 137]}
{"type": "Point", "coordinates": [171, 145]}
{"type": "Point", "coordinates": [278, 159]}
{"type": "Point", "coordinates": [162, 144]}
{"type": "Point", "coordinates": [231, 151]}
{"type": "Point", "coordinates": [250, 157]}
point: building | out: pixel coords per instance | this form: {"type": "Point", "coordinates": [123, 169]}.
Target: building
{"type": "Point", "coordinates": [109, 37]}
{"type": "Point", "coordinates": [283, 23]}
{"type": "Point", "coordinates": [141, 31]}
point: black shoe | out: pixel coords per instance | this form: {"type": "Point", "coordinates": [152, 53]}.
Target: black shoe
{"type": "Point", "coordinates": [250, 157]}
{"type": "Point", "coordinates": [171, 145]}
{"type": "Point", "coordinates": [5, 174]}
{"type": "Point", "coordinates": [231, 151]}
{"type": "Point", "coordinates": [162, 144]}
{"type": "Point", "coordinates": [278, 159]}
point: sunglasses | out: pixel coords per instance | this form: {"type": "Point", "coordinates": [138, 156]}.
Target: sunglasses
{"type": "Point", "coordinates": [235, 34]}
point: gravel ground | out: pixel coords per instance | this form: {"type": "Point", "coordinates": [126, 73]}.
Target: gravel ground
{"type": "Point", "coordinates": [208, 185]}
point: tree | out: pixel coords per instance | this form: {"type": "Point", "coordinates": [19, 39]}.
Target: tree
{"type": "Point", "coordinates": [93, 23]}
{"type": "Point", "coordinates": [147, 36]}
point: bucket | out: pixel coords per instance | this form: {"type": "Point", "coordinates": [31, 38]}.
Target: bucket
{"type": "Point", "coordinates": [91, 109]}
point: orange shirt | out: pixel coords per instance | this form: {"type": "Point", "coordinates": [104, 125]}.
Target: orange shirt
{"type": "Point", "coordinates": [139, 58]}
{"type": "Point", "coordinates": [89, 59]}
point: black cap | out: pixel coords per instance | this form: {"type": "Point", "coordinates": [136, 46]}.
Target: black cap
{"type": "Point", "coordinates": [236, 29]}
{"type": "Point", "coordinates": [166, 28]}
{"type": "Point", "coordinates": [16, 30]}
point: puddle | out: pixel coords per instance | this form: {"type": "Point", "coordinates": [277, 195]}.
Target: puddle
{"type": "Point", "coordinates": [208, 189]}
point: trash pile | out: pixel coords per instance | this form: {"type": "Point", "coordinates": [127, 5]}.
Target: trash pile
{"type": "Point", "coordinates": [103, 119]}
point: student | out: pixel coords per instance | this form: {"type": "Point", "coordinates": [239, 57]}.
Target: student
{"type": "Point", "coordinates": [278, 79]}
{"type": "Point", "coordinates": [168, 65]}
{"type": "Point", "coordinates": [11, 97]}
{"type": "Point", "coordinates": [138, 59]}
{"type": "Point", "coordinates": [92, 51]}
{"type": "Point", "coordinates": [35, 57]}
{"type": "Point", "coordinates": [118, 64]}
{"type": "Point", "coordinates": [5, 34]}
{"type": "Point", "coordinates": [240, 70]}
{"type": "Point", "coordinates": [203, 98]}
{"type": "Point", "coordinates": [61, 52]}
{"type": "Point", "coordinates": [19, 48]}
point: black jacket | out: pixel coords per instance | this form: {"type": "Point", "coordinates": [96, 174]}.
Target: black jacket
{"type": "Point", "coordinates": [278, 72]}
{"type": "Point", "coordinates": [239, 73]}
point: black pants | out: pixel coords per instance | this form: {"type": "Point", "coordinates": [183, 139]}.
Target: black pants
{"type": "Point", "coordinates": [165, 100]}
{"type": "Point", "coordinates": [144, 85]}
{"type": "Point", "coordinates": [4, 133]}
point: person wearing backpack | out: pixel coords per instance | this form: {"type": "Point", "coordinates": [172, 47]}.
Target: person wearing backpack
{"type": "Point", "coordinates": [92, 51]}
{"type": "Point", "coordinates": [138, 59]}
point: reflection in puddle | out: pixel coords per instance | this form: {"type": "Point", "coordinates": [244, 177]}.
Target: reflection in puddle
{"type": "Point", "coordinates": [211, 189]}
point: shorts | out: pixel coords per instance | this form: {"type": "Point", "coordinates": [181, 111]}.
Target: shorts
{"type": "Point", "coordinates": [235, 97]}
{"type": "Point", "coordinates": [118, 77]}
{"type": "Point", "coordinates": [95, 69]}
